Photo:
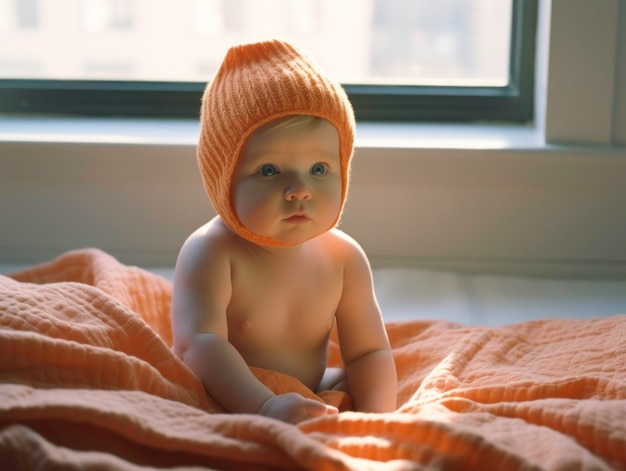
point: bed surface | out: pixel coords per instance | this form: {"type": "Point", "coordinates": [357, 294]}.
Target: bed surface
{"type": "Point", "coordinates": [88, 380]}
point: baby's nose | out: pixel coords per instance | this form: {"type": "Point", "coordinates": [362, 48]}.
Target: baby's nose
{"type": "Point", "coordinates": [297, 190]}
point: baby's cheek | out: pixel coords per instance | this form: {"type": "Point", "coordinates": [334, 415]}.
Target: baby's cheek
{"type": "Point", "coordinates": [245, 200]}
{"type": "Point", "coordinates": [333, 190]}
{"type": "Point", "coordinates": [333, 200]}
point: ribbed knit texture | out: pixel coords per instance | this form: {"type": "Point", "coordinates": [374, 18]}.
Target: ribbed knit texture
{"type": "Point", "coordinates": [258, 83]}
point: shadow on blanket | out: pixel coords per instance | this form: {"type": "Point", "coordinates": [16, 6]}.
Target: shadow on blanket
{"type": "Point", "coordinates": [87, 381]}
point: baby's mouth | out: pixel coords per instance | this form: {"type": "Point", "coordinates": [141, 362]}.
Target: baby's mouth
{"type": "Point", "coordinates": [298, 218]}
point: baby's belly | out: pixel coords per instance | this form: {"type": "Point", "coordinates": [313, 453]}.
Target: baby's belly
{"type": "Point", "coordinates": [305, 362]}
{"type": "Point", "coordinates": [308, 371]}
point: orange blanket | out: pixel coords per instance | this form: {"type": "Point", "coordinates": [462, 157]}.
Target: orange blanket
{"type": "Point", "coordinates": [87, 381]}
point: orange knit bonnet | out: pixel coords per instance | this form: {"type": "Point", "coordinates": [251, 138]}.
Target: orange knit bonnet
{"type": "Point", "coordinates": [258, 83]}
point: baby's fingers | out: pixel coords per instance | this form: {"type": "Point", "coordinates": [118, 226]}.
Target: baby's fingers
{"type": "Point", "coordinates": [317, 409]}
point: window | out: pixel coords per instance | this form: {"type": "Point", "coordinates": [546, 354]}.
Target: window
{"type": "Point", "coordinates": [398, 59]}
{"type": "Point", "coordinates": [27, 14]}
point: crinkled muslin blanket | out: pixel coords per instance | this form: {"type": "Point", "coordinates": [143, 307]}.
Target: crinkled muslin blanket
{"type": "Point", "coordinates": [88, 381]}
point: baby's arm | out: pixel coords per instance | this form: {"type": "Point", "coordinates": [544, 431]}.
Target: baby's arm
{"type": "Point", "coordinates": [237, 389]}
{"type": "Point", "coordinates": [365, 349]}
{"type": "Point", "coordinates": [201, 294]}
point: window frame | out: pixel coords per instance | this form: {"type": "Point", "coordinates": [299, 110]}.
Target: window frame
{"type": "Point", "coordinates": [511, 103]}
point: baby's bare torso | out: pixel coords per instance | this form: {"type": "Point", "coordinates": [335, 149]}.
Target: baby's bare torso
{"type": "Point", "coordinates": [282, 308]}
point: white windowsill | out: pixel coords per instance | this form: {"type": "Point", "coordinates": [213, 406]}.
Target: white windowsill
{"type": "Point", "coordinates": [70, 130]}
{"type": "Point", "coordinates": [98, 130]}
{"type": "Point", "coordinates": [370, 135]}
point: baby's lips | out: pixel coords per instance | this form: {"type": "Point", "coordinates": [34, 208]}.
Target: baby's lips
{"type": "Point", "coordinates": [298, 218]}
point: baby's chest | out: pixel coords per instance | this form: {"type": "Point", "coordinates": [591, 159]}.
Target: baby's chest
{"type": "Point", "coordinates": [272, 304]}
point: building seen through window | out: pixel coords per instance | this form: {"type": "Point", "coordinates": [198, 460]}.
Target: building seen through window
{"type": "Point", "coordinates": [414, 42]}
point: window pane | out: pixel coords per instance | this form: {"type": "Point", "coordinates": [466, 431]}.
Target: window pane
{"type": "Point", "coordinates": [416, 42]}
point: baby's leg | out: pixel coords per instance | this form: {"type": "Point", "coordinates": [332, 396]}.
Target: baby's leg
{"type": "Point", "coordinates": [334, 379]}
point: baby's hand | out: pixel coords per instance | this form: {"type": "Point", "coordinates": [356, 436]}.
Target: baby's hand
{"type": "Point", "coordinates": [294, 408]}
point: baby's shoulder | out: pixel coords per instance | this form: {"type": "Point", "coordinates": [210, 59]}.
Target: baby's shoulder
{"type": "Point", "coordinates": [207, 245]}
{"type": "Point", "coordinates": [356, 265]}
{"type": "Point", "coordinates": [213, 233]}
{"type": "Point", "coordinates": [341, 238]}
{"type": "Point", "coordinates": [344, 245]}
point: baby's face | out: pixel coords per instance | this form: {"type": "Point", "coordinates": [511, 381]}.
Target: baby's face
{"type": "Point", "coordinates": [287, 184]}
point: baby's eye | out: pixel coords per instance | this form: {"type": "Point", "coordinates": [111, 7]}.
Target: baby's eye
{"type": "Point", "coordinates": [319, 169]}
{"type": "Point", "coordinates": [268, 170]}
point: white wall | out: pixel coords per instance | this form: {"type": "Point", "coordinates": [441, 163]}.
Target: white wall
{"type": "Point", "coordinates": [619, 95]}
{"type": "Point", "coordinates": [584, 62]}
{"type": "Point", "coordinates": [548, 197]}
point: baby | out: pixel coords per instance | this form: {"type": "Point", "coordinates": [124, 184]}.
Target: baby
{"type": "Point", "coordinates": [263, 283]}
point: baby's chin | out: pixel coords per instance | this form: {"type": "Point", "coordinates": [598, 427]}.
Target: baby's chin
{"type": "Point", "coordinates": [283, 233]}
{"type": "Point", "coordinates": [290, 238]}
{"type": "Point", "coordinates": [287, 241]}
